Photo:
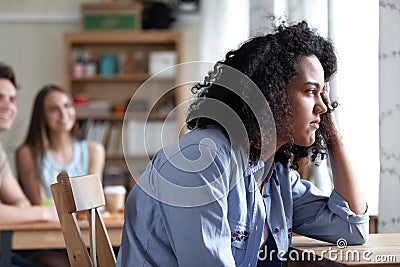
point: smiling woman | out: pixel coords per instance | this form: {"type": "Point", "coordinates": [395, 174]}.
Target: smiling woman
{"type": "Point", "coordinates": [53, 145]}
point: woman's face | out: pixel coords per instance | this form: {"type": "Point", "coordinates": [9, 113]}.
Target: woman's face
{"type": "Point", "coordinates": [304, 92]}
{"type": "Point", "coordinates": [59, 112]}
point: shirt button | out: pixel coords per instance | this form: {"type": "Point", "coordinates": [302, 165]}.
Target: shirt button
{"type": "Point", "coordinates": [276, 230]}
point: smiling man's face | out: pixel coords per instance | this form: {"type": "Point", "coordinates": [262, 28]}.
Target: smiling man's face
{"type": "Point", "coordinates": [8, 107]}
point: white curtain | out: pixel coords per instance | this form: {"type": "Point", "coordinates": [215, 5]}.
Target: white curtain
{"type": "Point", "coordinates": [354, 29]}
{"type": "Point", "coordinates": [389, 81]}
{"type": "Point", "coordinates": [224, 26]}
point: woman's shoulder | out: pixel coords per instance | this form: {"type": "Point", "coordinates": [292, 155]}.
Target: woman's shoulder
{"type": "Point", "coordinates": [199, 135]}
{"type": "Point", "coordinates": [25, 150]}
{"type": "Point", "coordinates": [94, 147]}
{"type": "Point", "coordinates": [196, 146]}
{"type": "Point", "coordinates": [92, 143]}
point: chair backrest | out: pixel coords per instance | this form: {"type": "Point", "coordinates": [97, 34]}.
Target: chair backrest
{"type": "Point", "coordinates": [78, 194]}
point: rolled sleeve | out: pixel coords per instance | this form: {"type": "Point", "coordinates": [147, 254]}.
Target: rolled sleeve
{"type": "Point", "coordinates": [340, 207]}
{"type": "Point", "coordinates": [325, 218]}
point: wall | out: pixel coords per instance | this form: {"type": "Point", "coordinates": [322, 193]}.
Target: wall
{"type": "Point", "coordinates": [389, 65]}
{"type": "Point", "coordinates": [32, 42]}
{"type": "Point", "coordinates": [32, 33]}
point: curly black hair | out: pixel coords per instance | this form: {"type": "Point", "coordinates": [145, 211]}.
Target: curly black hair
{"type": "Point", "coordinates": [270, 61]}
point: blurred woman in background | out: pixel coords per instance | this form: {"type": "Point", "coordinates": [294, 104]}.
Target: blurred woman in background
{"type": "Point", "coordinates": [53, 145]}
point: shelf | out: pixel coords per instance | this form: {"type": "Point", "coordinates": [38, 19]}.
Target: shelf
{"type": "Point", "coordinates": [116, 78]}
{"type": "Point", "coordinates": [145, 37]}
{"type": "Point", "coordinates": [140, 77]}
{"type": "Point", "coordinates": [118, 156]}
{"type": "Point", "coordinates": [120, 117]}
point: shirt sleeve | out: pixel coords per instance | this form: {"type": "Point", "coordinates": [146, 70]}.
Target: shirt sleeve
{"type": "Point", "coordinates": [5, 169]}
{"type": "Point", "coordinates": [199, 233]}
{"type": "Point", "coordinates": [325, 218]}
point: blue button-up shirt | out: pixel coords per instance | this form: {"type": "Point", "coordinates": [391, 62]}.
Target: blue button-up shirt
{"type": "Point", "coordinates": [198, 204]}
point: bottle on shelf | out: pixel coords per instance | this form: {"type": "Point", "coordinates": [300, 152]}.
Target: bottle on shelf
{"type": "Point", "coordinates": [108, 65]}
{"type": "Point", "coordinates": [89, 63]}
{"type": "Point", "coordinates": [139, 62]}
{"type": "Point", "coordinates": [77, 64]}
{"type": "Point", "coordinates": [125, 63]}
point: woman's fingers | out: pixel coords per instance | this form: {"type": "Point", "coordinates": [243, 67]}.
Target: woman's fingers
{"type": "Point", "coordinates": [325, 97]}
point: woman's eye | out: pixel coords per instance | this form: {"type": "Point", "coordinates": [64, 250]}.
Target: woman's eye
{"type": "Point", "coordinates": [311, 91]}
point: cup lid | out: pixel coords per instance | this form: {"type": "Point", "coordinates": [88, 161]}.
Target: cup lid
{"type": "Point", "coordinates": [114, 189]}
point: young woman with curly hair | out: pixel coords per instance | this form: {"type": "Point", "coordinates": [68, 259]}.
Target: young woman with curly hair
{"type": "Point", "coordinates": [230, 185]}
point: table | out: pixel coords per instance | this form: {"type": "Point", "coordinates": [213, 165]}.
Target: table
{"type": "Point", "coordinates": [48, 235]}
{"type": "Point", "coordinates": [381, 250]}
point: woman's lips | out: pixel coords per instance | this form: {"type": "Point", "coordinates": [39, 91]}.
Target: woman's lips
{"type": "Point", "coordinates": [315, 124]}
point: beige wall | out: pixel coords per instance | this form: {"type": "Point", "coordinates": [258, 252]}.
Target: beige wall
{"type": "Point", "coordinates": [32, 44]}
{"type": "Point", "coordinates": [31, 41]}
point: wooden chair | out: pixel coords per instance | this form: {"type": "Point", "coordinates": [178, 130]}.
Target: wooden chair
{"type": "Point", "coordinates": [76, 194]}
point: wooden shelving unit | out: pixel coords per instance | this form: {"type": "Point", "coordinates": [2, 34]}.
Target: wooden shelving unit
{"type": "Point", "coordinates": [116, 90]}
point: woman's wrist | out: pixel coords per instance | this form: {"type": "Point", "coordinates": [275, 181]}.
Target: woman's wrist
{"type": "Point", "coordinates": [332, 136]}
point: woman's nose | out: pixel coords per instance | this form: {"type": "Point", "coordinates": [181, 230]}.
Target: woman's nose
{"type": "Point", "coordinates": [320, 106]}
{"type": "Point", "coordinates": [63, 113]}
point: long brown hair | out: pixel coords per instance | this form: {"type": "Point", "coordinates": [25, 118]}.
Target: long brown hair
{"type": "Point", "coordinates": [38, 132]}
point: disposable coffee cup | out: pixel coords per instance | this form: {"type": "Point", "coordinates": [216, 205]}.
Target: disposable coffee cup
{"type": "Point", "coordinates": [115, 198]}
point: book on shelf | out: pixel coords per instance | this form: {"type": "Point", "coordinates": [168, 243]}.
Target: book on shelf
{"type": "Point", "coordinates": [147, 137]}
{"type": "Point", "coordinates": [104, 132]}
{"type": "Point", "coordinates": [140, 137]}
{"type": "Point", "coordinates": [114, 142]}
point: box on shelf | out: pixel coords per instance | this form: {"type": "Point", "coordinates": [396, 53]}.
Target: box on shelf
{"type": "Point", "coordinates": [93, 107]}
{"type": "Point", "coordinates": [112, 16]}
{"type": "Point", "coordinates": [160, 61]}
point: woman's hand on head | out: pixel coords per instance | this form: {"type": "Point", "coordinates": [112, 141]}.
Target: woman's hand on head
{"type": "Point", "coordinates": [325, 97]}
{"type": "Point", "coordinates": [329, 129]}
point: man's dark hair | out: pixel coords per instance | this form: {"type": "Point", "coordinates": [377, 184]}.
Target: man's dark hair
{"type": "Point", "coordinates": [6, 72]}
{"type": "Point", "coordinates": [270, 61]}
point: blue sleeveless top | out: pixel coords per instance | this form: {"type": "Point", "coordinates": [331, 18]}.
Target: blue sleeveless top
{"type": "Point", "coordinates": [49, 168]}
